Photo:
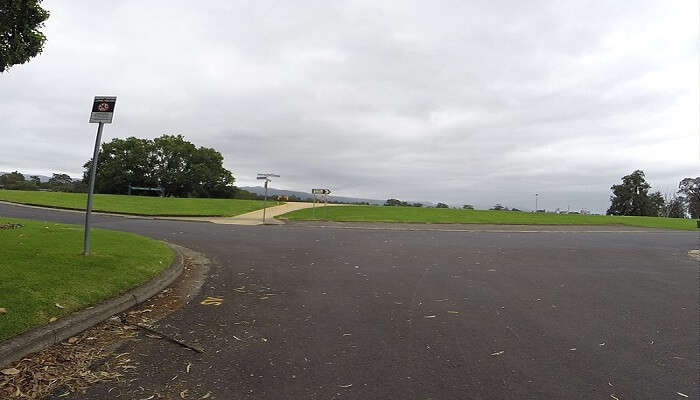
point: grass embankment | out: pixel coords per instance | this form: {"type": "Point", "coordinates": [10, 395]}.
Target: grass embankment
{"type": "Point", "coordinates": [138, 205]}
{"type": "Point", "coordinates": [453, 216]}
{"type": "Point", "coordinates": [41, 268]}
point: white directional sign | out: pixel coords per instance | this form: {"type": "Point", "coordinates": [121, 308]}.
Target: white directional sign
{"type": "Point", "coordinates": [102, 109]}
{"type": "Point", "coordinates": [320, 191]}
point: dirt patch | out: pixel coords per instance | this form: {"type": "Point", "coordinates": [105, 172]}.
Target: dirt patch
{"type": "Point", "coordinates": [6, 226]}
{"type": "Point", "coordinates": [89, 358]}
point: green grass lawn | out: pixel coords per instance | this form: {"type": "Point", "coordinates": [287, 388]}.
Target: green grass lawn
{"type": "Point", "coordinates": [139, 205]}
{"type": "Point", "coordinates": [41, 265]}
{"type": "Point", "coordinates": [454, 216]}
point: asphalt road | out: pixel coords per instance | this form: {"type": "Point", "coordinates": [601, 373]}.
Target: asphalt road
{"type": "Point", "coordinates": [330, 313]}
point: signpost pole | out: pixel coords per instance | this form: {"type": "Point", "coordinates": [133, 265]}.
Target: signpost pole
{"type": "Point", "coordinates": [313, 210]}
{"type": "Point", "coordinates": [265, 201]}
{"type": "Point", "coordinates": [91, 189]}
{"type": "Point", "coordinates": [325, 197]}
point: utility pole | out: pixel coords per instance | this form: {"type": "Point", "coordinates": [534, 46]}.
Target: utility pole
{"type": "Point", "coordinates": [536, 206]}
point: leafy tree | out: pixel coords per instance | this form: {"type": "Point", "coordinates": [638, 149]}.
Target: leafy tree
{"type": "Point", "coordinates": [16, 181]}
{"type": "Point", "coordinates": [169, 161]}
{"type": "Point", "coordinates": [35, 180]}
{"type": "Point", "coordinates": [689, 188]}
{"type": "Point", "coordinates": [417, 205]}
{"type": "Point", "coordinates": [656, 204]}
{"type": "Point", "coordinates": [122, 162]}
{"type": "Point", "coordinates": [61, 183]}
{"type": "Point", "coordinates": [632, 197]}
{"type": "Point", "coordinates": [468, 207]}
{"type": "Point", "coordinates": [442, 205]}
{"type": "Point", "coordinates": [20, 38]}
{"type": "Point", "coordinates": [60, 179]}
{"type": "Point", "coordinates": [396, 203]}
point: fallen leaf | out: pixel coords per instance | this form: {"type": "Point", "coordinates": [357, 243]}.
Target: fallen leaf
{"type": "Point", "coordinates": [498, 353]}
{"type": "Point", "coordinates": [72, 340]}
{"type": "Point", "coordinates": [345, 386]}
{"type": "Point", "coordinates": [183, 394]}
{"type": "Point", "coordinates": [453, 312]}
{"type": "Point", "coordinates": [3, 310]}
{"type": "Point", "coordinates": [52, 319]}
{"type": "Point", "coordinates": [10, 371]}
{"type": "Point", "coordinates": [189, 365]}
{"type": "Point", "coordinates": [430, 316]}
{"type": "Point", "coordinates": [681, 394]}
{"type": "Point", "coordinates": [206, 396]}
{"type": "Point", "coordinates": [59, 306]}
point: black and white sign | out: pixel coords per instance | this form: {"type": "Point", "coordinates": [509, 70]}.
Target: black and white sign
{"type": "Point", "coordinates": [320, 191]}
{"type": "Point", "coordinates": [102, 109]}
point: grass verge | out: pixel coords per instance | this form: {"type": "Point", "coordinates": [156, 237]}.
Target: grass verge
{"type": "Point", "coordinates": [454, 216]}
{"type": "Point", "coordinates": [43, 274]}
{"type": "Point", "coordinates": [137, 205]}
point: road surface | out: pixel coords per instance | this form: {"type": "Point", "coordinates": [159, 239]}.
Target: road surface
{"type": "Point", "coordinates": [313, 312]}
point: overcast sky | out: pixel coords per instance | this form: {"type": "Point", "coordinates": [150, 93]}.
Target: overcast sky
{"type": "Point", "coordinates": [455, 101]}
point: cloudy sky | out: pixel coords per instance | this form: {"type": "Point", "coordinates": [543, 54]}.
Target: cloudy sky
{"type": "Point", "coordinates": [455, 101]}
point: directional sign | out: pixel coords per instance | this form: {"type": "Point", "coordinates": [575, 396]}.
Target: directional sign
{"type": "Point", "coordinates": [102, 109]}
{"type": "Point", "coordinates": [320, 191]}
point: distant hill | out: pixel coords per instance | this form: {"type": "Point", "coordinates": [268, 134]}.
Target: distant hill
{"type": "Point", "coordinates": [304, 195]}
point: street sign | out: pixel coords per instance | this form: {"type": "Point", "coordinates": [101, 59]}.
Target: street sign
{"type": "Point", "coordinates": [320, 191]}
{"type": "Point", "coordinates": [102, 109]}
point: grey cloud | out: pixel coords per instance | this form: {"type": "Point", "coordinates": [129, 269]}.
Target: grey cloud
{"type": "Point", "coordinates": [466, 102]}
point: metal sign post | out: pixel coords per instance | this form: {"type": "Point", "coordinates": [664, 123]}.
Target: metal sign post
{"type": "Point", "coordinates": [267, 179]}
{"type": "Point", "coordinates": [102, 111]}
{"type": "Point", "coordinates": [313, 212]}
{"type": "Point", "coordinates": [325, 193]}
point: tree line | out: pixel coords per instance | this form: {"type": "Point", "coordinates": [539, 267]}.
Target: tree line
{"type": "Point", "coordinates": [632, 197]}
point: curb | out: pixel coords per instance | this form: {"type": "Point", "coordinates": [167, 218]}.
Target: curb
{"type": "Point", "coordinates": [55, 332]}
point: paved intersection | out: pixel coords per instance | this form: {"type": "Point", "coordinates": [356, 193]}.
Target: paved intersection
{"type": "Point", "coordinates": [314, 312]}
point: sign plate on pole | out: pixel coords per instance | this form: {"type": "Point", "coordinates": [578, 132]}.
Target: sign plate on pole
{"type": "Point", "coordinates": [102, 109]}
{"type": "Point", "coordinates": [320, 191]}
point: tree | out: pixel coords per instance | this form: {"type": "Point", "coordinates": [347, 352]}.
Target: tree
{"type": "Point", "coordinates": [60, 179]}
{"type": "Point", "coordinates": [674, 206]}
{"type": "Point", "coordinates": [395, 203]}
{"type": "Point", "coordinates": [20, 37]}
{"type": "Point", "coordinates": [468, 207]}
{"type": "Point", "coordinates": [442, 205]}
{"type": "Point", "coordinates": [16, 181]}
{"type": "Point", "coordinates": [61, 183]}
{"type": "Point", "coordinates": [656, 204]}
{"type": "Point", "coordinates": [632, 197]}
{"type": "Point", "coordinates": [35, 180]}
{"type": "Point", "coordinates": [689, 188]}
{"type": "Point", "coordinates": [169, 161]}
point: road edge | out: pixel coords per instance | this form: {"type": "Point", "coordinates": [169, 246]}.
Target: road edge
{"type": "Point", "coordinates": [41, 337]}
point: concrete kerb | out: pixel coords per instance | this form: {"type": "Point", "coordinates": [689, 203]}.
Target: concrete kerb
{"type": "Point", "coordinates": [55, 332]}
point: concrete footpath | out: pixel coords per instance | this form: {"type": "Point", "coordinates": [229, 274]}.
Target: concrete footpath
{"type": "Point", "coordinates": [255, 217]}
